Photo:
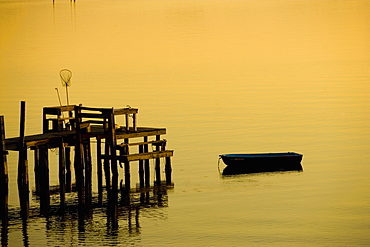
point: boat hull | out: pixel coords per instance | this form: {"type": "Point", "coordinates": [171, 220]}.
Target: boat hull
{"type": "Point", "coordinates": [264, 162]}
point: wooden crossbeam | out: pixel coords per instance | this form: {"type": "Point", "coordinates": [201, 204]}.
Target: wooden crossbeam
{"type": "Point", "coordinates": [57, 110]}
{"type": "Point", "coordinates": [157, 142]}
{"type": "Point", "coordinates": [141, 156]}
{"type": "Point", "coordinates": [123, 111]}
{"type": "Point", "coordinates": [145, 156]}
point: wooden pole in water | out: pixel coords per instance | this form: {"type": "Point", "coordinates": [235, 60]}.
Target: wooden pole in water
{"type": "Point", "coordinates": [107, 167]}
{"type": "Point", "coordinates": [79, 162]}
{"type": "Point", "coordinates": [4, 186]}
{"type": "Point", "coordinates": [112, 144]}
{"type": "Point", "coordinates": [141, 168]}
{"type": "Point", "coordinates": [146, 170]}
{"type": "Point", "coordinates": [158, 164]}
{"type": "Point", "coordinates": [99, 171]}
{"type": "Point", "coordinates": [88, 172]}
{"type": "Point", "coordinates": [141, 174]}
{"type": "Point", "coordinates": [127, 175]}
{"type": "Point", "coordinates": [62, 180]}
{"type": "Point", "coordinates": [146, 164]}
{"type": "Point", "coordinates": [36, 169]}
{"type": "Point", "coordinates": [168, 170]}
{"type": "Point", "coordinates": [113, 200]}
{"type": "Point", "coordinates": [68, 169]}
{"type": "Point", "coordinates": [23, 187]}
{"type": "Point", "coordinates": [44, 180]}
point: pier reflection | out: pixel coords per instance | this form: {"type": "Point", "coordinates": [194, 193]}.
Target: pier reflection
{"type": "Point", "coordinates": [96, 226]}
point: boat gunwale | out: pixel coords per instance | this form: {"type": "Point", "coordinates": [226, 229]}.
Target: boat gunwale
{"type": "Point", "coordinates": [262, 155]}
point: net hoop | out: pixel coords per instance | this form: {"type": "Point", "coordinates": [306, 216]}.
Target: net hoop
{"type": "Point", "coordinates": [65, 76]}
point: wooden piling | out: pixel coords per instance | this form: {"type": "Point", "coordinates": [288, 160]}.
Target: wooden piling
{"type": "Point", "coordinates": [146, 170]}
{"type": "Point", "coordinates": [113, 199]}
{"type": "Point", "coordinates": [141, 174]}
{"type": "Point", "coordinates": [62, 178]}
{"type": "Point", "coordinates": [141, 168]}
{"type": "Point", "coordinates": [146, 164]}
{"type": "Point", "coordinates": [107, 167]}
{"type": "Point", "coordinates": [99, 170]}
{"type": "Point", "coordinates": [68, 169]}
{"type": "Point", "coordinates": [4, 186]}
{"type": "Point", "coordinates": [157, 164]}
{"type": "Point", "coordinates": [88, 171]}
{"type": "Point", "coordinates": [127, 176]}
{"type": "Point", "coordinates": [168, 170]}
{"type": "Point", "coordinates": [112, 145]}
{"type": "Point", "coordinates": [79, 162]}
{"type": "Point", "coordinates": [36, 155]}
{"type": "Point", "coordinates": [23, 186]}
{"type": "Point", "coordinates": [44, 180]}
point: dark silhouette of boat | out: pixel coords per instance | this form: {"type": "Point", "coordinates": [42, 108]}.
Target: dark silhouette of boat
{"type": "Point", "coordinates": [261, 162]}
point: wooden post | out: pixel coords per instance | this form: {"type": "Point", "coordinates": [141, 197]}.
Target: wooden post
{"type": "Point", "coordinates": [146, 165]}
{"type": "Point", "coordinates": [146, 171]}
{"type": "Point", "coordinates": [4, 186]}
{"type": "Point", "coordinates": [68, 169]}
{"type": "Point", "coordinates": [45, 122]}
{"type": "Point", "coordinates": [127, 122]}
{"type": "Point", "coordinates": [23, 187]}
{"type": "Point", "coordinates": [141, 168]}
{"type": "Point", "coordinates": [141, 174]}
{"type": "Point", "coordinates": [134, 122]}
{"type": "Point", "coordinates": [79, 162]}
{"type": "Point", "coordinates": [113, 200]}
{"type": "Point", "coordinates": [44, 180]}
{"type": "Point", "coordinates": [112, 145]}
{"type": "Point", "coordinates": [127, 176]}
{"type": "Point", "coordinates": [157, 164]}
{"type": "Point", "coordinates": [168, 170]}
{"type": "Point", "coordinates": [36, 169]}
{"type": "Point", "coordinates": [107, 167]}
{"type": "Point", "coordinates": [99, 171]}
{"type": "Point", "coordinates": [88, 172]}
{"type": "Point", "coordinates": [62, 178]}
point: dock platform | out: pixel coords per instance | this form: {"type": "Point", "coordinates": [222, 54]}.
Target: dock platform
{"type": "Point", "coordinates": [74, 126]}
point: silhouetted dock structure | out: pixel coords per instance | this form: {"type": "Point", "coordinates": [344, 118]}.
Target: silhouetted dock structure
{"type": "Point", "coordinates": [76, 126]}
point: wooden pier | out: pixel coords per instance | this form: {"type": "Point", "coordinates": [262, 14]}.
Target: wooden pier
{"type": "Point", "coordinates": [76, 126]}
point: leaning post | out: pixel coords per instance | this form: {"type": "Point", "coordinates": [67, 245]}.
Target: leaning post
{"type": "Point", "coordinates": [4, 186]}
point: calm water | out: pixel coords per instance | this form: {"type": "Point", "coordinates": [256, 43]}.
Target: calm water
{"type": "Point", "coordinates": [222, 77]}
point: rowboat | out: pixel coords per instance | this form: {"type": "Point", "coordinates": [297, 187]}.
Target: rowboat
{"type": "Point", "coordinates": [261, 162]}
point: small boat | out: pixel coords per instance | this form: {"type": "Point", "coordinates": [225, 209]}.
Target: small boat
{"type": "Point", "coordinates": [261, 162]}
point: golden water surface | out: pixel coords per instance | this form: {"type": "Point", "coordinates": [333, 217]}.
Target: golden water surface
{"type": "Point", "coordinates": [239, 76]}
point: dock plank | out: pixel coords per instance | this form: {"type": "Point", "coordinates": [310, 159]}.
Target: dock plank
{"type": "Point", "coordinates": [95, 131]}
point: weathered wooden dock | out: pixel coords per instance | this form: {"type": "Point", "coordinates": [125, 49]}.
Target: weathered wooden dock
{"type": "Point", "coordinates": [75, 126]}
